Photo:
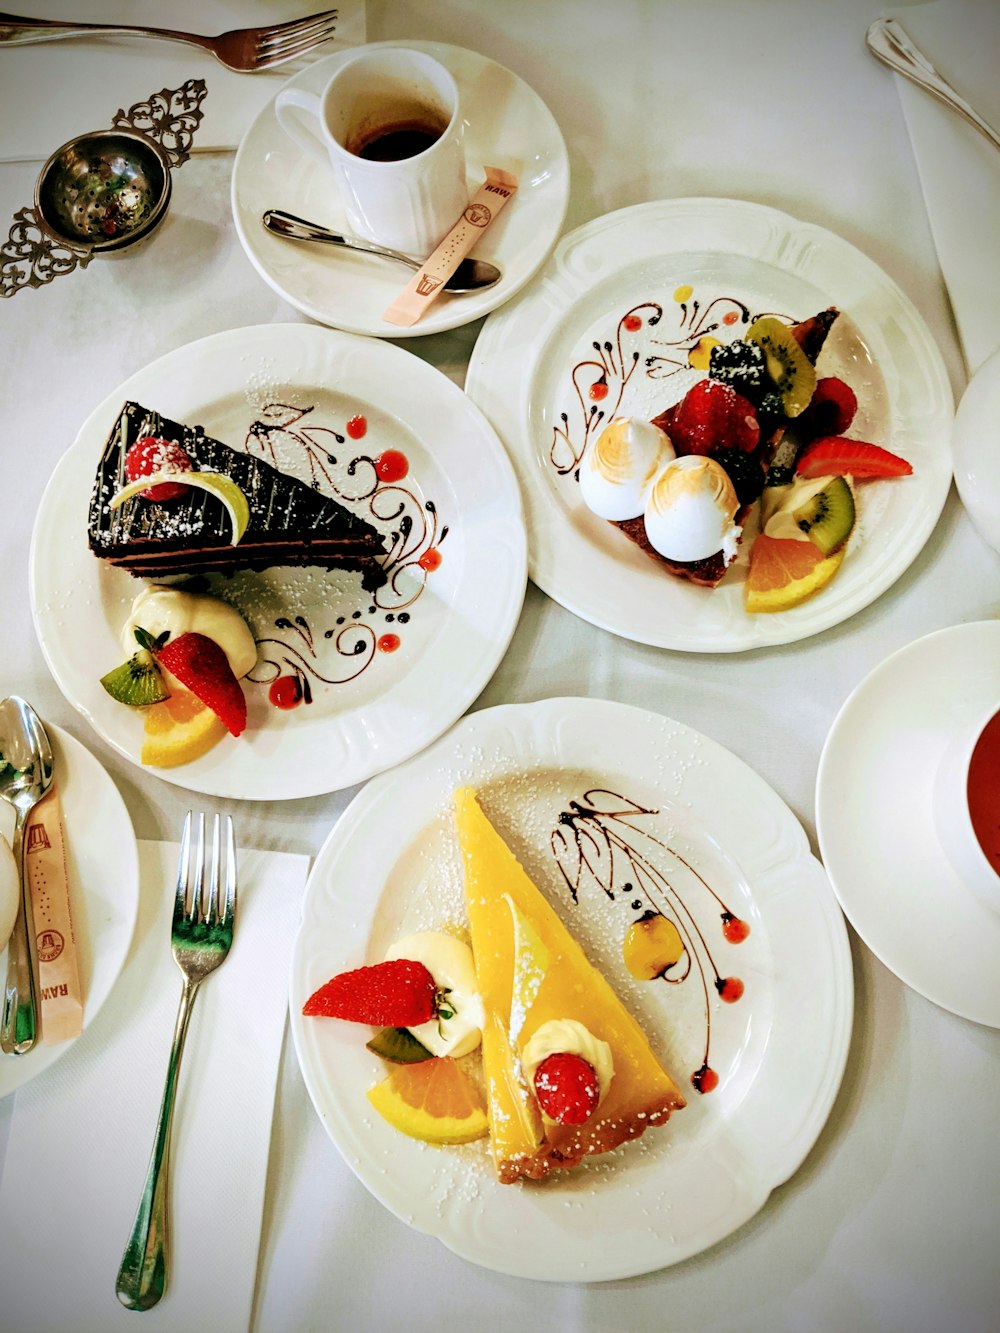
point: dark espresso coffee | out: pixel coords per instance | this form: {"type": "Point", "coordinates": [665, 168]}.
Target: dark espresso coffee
{"type": "Point", "coordinates": [397, 142]}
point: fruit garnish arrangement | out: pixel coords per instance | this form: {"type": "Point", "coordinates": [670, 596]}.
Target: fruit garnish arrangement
{"type": "Point", "coordinates": [519, 1038]}
{"type": "Point", "coordinates": [761, 430]}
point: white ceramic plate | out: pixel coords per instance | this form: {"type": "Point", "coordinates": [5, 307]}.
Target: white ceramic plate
{"type": "Point", "coordinates": [506, 125]}
{"type": "Point", "coordinates": [103, 863]}
{"type": "Point", "coordinates": [392, 865]}
{"type": "Point", "coordinates": [621, 301]}
{"type": "Point", "coordinates": [977, 459]}
{"type": "Point", "coordinates": [386, 673]}
{"type": "Point", "coordinates": [875, 818]}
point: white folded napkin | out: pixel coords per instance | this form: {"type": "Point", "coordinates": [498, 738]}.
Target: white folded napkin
{"type": "Point", "coordinates": [959, 168]}
{"type": "Point", "coordinates": [52, 91]}
{"type": "Point", "coordinates": [81, 1134]}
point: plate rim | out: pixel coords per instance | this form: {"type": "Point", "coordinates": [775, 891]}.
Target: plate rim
{"type": "Point", "coordinates": [509, 411]}
{"type": "Point", "coordinates": [472, 731]}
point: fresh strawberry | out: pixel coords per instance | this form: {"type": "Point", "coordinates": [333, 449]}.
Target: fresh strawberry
{"type": "Point", "coordinates": [567, 1088]}
{"type": "Point", "coordinates": [834, 455]}
{"type": "Point", "coordinates": [399, 993]}
{"type": "Point", "coordinates": [200, 664]}
{"type": "Point", "coordinates": [831, 409]}
{"type": "Point", "coordinates": [713, 416]}
{"type": "Point", "coordinates": [149, 455]}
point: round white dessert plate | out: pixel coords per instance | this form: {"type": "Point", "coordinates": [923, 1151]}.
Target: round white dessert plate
{"type": "Point", "coordinates": [103, 869]}
{"type": "Point", "coordinates": [381, 674]}
{"type": "Point", "coordinates": [875, 818]}
{"type": "Point", "coordinates": [595, 775]}
{"type": "Point", "coordinates": [977, 459]}
{"type": "Point", "coordinates": [507, 125]}
{"type": "Point", "coordinates": [615, 311]}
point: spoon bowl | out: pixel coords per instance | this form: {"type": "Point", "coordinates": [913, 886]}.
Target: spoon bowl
{"type": "Point", "coordinates": [25, 777]}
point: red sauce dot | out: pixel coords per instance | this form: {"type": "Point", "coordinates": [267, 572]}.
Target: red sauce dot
{"type": "Point", "coordinates": [391, 465]}
{"type": "Point", "coordinates": [388, 643]}
{"type": "Point", "coordinates": [430, 559]}
{"type": "Point", "coordinates": [730, 989]}
{"type": "Point", "coordinates": [357, 427]}
{"type": "Point", "coordinates": [705, 1079]}
{"type": "Point", "coordinates": [730, 318]}
{"type": "Point", "coordinates": [285, 692]}
{"type": "Point", "coordinates": [599, 390]}
{"type": "Point", "coordinates": [632, 322]}
{"type": "Point", "coordinates": [734, 929]}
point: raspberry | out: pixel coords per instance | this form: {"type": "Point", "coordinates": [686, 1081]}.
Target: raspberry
{"type": "Point", "coordinates": [713, 416]}
{"type": "Point", "coordinates": [740, 365]}
{"type": "Point", "coordinates": [150, 454]}
{"type": "Point", "coordinates": [831, 409]}
{"type": "Point", "coordinates": [566, 1087]}
{"type": "Point", "coordinates": [745, 472]}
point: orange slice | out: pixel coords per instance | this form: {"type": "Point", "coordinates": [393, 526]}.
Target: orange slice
{"type": "Point", "coordinates": [434, 1101]}
{"type": "Point", "coordinates": [784, 572]}
{"type": "Point", "coordinates": [178, 730]}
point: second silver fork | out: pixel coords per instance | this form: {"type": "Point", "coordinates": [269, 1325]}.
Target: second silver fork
{"type": "Point", "coordinates": [201, 935]}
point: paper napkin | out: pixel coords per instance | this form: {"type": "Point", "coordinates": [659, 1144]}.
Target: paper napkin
{"type": "Point", "coordinates": [81, 1134]}
{"type": "Point", "coordinates": [52, 91]}
{"type": "Point", "coordinates": [959, 168]}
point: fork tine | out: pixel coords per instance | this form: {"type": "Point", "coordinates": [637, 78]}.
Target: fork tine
{"type": "Point", "coordinates": [229, 911]}
{"type": "Point", "coordinates": [213, 874]}
{"type": "Point", "coordinates": [271, 50]}
{"type": "Point", "coordinates": [196, 913]}
{"type": "Point", "coordinates": [304, 24]}
{"type": "Point", "coordinates": [180, 900]}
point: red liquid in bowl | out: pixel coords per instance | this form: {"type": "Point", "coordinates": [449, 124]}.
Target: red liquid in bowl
{"type": "Point", "coordinates": [984, 791]}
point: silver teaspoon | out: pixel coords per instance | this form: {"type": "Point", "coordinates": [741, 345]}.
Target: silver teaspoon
{"type": "Point", "coordinates": [472, 275]}
{"type": "Point", "coordinates": [25, 777]}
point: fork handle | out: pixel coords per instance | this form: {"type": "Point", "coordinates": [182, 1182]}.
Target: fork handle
{"type": "Point", "coordinates": [16, 30]}
{"type": "Point", "coordinates": [142, 1277]}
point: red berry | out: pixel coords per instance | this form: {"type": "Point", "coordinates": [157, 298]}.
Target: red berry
{"type": "Point", "coordinates": [711, 416]}
{"type": "Point", "coordinates": [200, 664]}
{"type": "Point", "coordinates": [399, 993]}
{"type": "Point", "coordinates": [836, 455]}
{"type": "Point", "coordinates": [567, 1088]}
{"type": "Point", "coordinates": [150, 454]}
{"type": "Point", "coordinates": [831, 409]}
{"type": "Point", "coordinates": [285, 692]}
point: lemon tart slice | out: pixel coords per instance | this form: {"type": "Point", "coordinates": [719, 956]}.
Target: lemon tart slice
{"type": "Point", "coordinates": [534, 976]}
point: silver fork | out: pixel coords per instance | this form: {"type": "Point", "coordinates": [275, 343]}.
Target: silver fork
{"type": "Point", "coordinates": [242, 49]}
{"type": "Point", "coordinates": [201, 935]}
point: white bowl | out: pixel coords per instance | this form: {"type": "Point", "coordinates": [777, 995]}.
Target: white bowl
{"type": "Point", "coordinates": [976, 438]}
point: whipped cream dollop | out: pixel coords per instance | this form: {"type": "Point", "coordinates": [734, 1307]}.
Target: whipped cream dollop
{"type": "Point", "coordinates": [10, 892]}
{"type": "Point", "coordinates": [567, 1036]}
{"type": "Point", "coordinates": [691, 510]}
{"type": "Point", "coordinates": [450, 963]}
{"type": "Point", "coordinates": [160, 608]}
{"type": "Point", "coordinates": [619, 466]}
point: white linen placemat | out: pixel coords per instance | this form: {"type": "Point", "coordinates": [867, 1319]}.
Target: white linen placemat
{"type": "Point", "coordinates": [959, 168]}
{"type": "Point", "coordinates": [82, 1133]}
{"type": "Point", "coordinates": [52, 91]}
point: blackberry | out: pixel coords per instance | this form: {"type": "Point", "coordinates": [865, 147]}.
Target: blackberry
{"type": "Point", "coordinates": [780, 475]}
{"type": "Point", "coordinates": [741, 365]}
{"type": "Point", "coordinates": [770, 413]}
{"type": "Point", "coordinates": [745, 472]}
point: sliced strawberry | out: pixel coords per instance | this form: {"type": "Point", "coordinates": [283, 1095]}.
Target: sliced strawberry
{"type": "Point", "coordinates": [831, 409]}
{"type": "Point", "coordinates": [200, 664]}
{"type": "Point", "coordinates": [713, 416]}
{"type": "Point", "coordinates": [567, 1088]}
{"type": "Point", "coordinates": [836, 455]}
{"type": "Point", "coordinates": [151, 454]}
{"type": "Point", "coordinates": [399, 993]}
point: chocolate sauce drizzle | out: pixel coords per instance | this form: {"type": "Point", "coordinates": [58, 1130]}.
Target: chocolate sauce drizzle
{"type": "Point", "coordinates": [598, 840]}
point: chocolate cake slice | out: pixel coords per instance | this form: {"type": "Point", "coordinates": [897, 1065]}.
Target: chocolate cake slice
{"type": "Point", "coordinates": [290, 523]}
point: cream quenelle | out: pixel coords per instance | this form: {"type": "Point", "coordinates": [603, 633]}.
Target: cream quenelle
{"type": "Point", "coordinates": [691, 511]}
{"type": "Point", "coordinates": [566, 1036]}
{"type": "Point", "coordinates": [450, 963]}
{"type": "Point", "coordinates": [159, 609]}
{"type": "Point", "coordinates": [619, 467]}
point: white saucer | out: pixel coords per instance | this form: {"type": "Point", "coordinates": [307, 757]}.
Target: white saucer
{"type": "Point", "coordinates": [876, 827]}
{"type": "Point", "coordinates": [506, 125]}
{"type": "Point", "coordinates": [977, 460]}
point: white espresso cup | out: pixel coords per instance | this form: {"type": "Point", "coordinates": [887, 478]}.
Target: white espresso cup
{"type": "Point", "coordinates": [389, 126]}
{"type": "Point", "coordinates": [967, 805]}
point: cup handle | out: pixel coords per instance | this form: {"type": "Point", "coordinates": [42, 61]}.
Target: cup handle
{"type": "Point", "coordinates": [285, 105]}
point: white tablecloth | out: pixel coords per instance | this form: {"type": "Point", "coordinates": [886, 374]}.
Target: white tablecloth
{"type": "Point", "coordinates": [892, 1221]}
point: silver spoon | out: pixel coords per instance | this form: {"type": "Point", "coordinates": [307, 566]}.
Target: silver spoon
{"type": "Point", "coordinates": [472, 275]}
{"type": "Point", "coordinates": [25, 777]}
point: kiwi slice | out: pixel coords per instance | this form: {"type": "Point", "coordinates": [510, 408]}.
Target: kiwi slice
{"type": "Point", "coordinates": [827, 517]}
{"type": "Point", "coordinates": [136, 682]}
{"type": "Point", "coordinates": [789, 369]}
{"type": "Point", "coordinates": [399, 1046]}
